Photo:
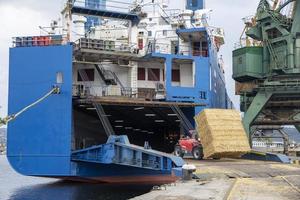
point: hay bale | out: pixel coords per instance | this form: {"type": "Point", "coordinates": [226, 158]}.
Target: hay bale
{"type": "Point", "coordinates": [222, 133]}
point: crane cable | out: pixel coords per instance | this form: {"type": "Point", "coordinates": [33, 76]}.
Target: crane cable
{"type": "Point", "coordinates": [6, 120]}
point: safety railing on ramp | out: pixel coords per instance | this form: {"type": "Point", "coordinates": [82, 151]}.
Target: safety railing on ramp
{"type": "Point", "coordinates": [119, 151]}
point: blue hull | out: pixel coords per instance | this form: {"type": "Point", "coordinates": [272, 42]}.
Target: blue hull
{"type": "Point", "coordinates": [40, 141]}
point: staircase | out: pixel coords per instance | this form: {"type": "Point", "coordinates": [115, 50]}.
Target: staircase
{"type": "Point", "coordinates": [164, 15]}
{"type": "Point", "coordinates": [87, 87]}
{"type": "Point", "coordinates": [109, 77]}
{"type": "Point", "coordinates": [83, 75]}
{"type": "Point", "coordinates": [188, 127]}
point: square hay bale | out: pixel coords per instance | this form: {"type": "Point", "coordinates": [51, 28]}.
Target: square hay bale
{"type": "Point", "coordinates": [222, 133]}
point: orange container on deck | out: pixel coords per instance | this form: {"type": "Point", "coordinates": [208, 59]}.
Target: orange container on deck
{"type": "Point", "coordinates": [35, 41]}
{"type": "Point", "coordinates": [47, 40]}
{"type": "Point", "coordinates": [41, 41]}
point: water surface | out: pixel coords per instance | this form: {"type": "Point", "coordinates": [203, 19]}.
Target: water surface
{"type": "Point", "coordinates": [17, 187]}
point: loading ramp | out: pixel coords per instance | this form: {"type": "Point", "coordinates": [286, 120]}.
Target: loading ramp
{"type": "Point", "coordinates": [119, 151]}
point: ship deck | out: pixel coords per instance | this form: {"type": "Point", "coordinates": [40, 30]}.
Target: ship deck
{"type": "Point", "coordinates": [124, 101]}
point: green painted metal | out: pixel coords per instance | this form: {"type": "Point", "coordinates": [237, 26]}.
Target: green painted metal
{"type": "Point", "coordinates": [277, 33]}
{"type": "Point", "coordinates": [297, 117]}
{"type": "Point", "coordinates": [296, 17]}
{"type": "Point", "coordinates": [255, 108]}
{"type": "Point", "coordinates": [248, 64]}
{"type": "Point", "coordinates": [297, 51]}
{"type": "Point", "coordinates": [274, 67]}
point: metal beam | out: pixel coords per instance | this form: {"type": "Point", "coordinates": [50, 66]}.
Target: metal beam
{"type": "Point", "coordinates": [277, 122]}
{"type": "Point", "coordinates": [258, 103]}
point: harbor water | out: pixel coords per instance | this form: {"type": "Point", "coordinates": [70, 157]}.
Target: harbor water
{"type": "Point", "coordinates": [17, 187]}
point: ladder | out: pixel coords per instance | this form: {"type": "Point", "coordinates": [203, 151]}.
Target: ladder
{"type": "Point", "coordinates": [104, 120]}
{"type": "Point", "coordinates": [272, 52]}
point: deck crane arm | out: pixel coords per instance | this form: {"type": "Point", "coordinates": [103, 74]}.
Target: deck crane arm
{"type": "Point", "coordinates": [6, 120]}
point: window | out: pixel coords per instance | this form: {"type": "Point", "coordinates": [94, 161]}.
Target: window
{"type": "Point", "coordinates": [149, 33]}
{"type": "Point", "coordinates": [141, 44]}
{"type": "Point", "coordinates": [175, 75]}
{"type": "Point", "coordinates": [203, 95]}
{"type": "Point", "coordinates": [194, 3]}
{"type": "Point", "coordinates": [153, 74]}
{"type": "Point", "coordinates": [165, 32]}
{"type": "Point", "coordinates": [150, 19]}
{"type": "Point", "coordinates": [89, 75]}
{"type": "Point", "coordinates": [204, 50]}
{"type": "Point", "coordinates": [59, 78]}
{"type": "Point", "coordinates": [141, 74]}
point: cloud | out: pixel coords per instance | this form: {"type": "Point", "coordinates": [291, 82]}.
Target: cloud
{"type": "Point", "coordinates": [46, 7]}
{"type": "Point", "coordinates": [228, 14]}
{"type": "Point", "coordinates": [24, 17]}
{"type": "Point", "coordinates": [17, 19]}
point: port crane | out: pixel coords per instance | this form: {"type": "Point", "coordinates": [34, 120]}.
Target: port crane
{"type": "Point", "coordinates": [268, 74]}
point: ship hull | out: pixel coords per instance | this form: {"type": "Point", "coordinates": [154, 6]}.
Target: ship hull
{"type": "Point", "coordinates": [128, 180]}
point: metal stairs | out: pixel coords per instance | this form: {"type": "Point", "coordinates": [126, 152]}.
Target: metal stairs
{"type": "Point", "coordinates": [109, 77]}
{"type": "Point", "coordinates": [164, 15]}
{"type": "Point", "coordinates": [188, 127]}
{"type": "Point", "coordinates": [119, 151]}
{"type": "Point", "coordinates": [83, 75]}
{"type": "Point", "coordinates": [106, 75]}
{"type": "Point", "coordinates": [88, 88]}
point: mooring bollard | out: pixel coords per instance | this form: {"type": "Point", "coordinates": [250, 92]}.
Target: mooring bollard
{"type": "Point", "coordinates": [187, 172]}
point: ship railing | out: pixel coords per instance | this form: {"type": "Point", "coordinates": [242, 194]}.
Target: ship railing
{"type": "Point", "coordinates": [166, 48]}
{"type": "Point", "coordinates": [247, 42]}
{"type": "Point", "coordinates": [112, 5]}
{"type": "Point", "coordinates": [32, 41]}
{"type": "Point", "coordinates": [93, 91]}
{"type": "Point", "coordinates": [107, 45]}
{"type": "Point", "coordinates": [173, 12]}
{"type": "Point", "coordinates": [195, 52]}
{"type": "Point", "coordinates": [216, 31]}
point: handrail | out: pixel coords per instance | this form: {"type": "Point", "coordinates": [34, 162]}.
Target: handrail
{"type": "Point", "coordinates": [105, 91]}
{"type": "Point", "coordinates": [96, 5]}
{"type": "Point", "coordinates": [29, 41]}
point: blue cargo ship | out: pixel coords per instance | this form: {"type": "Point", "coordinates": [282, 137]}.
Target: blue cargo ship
{"type": "Point", "coordinates": [135, 72]}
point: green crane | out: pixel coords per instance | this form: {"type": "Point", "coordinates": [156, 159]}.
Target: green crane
{"type": "Point", "coordinates": [268, 75]}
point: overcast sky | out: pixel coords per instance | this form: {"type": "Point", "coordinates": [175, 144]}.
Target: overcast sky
{"type": "Point", "coordinates": [21, 18]}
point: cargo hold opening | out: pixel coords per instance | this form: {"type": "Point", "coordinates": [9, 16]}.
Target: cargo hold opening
{"type": "Point", "coordinates": [159, 126]}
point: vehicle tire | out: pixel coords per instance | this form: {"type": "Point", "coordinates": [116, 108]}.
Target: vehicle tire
{"type": "Point", "coordinates": [178, 151]}
{"type": "Point", "coordinates": [198, 153]}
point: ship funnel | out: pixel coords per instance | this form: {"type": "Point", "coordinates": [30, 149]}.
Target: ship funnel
{"type": "Point", "coordinates": [91, 20]}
